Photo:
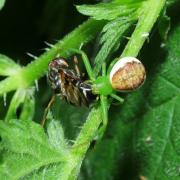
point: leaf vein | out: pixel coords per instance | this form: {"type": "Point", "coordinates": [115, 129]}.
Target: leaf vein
{"type": "Point", "coordinates": [168, 135]}
{"type": "Point", "coordinates": [170, 83]}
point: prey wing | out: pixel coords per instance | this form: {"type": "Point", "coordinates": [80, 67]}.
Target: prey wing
{"type": "Point", "coordinates": [71, 90]}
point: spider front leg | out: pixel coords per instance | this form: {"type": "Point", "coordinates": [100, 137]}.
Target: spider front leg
{"type": "Point", "coordinates": [86, 63]}
{"type": "Point", "coordinates": [103, 98]}
{"type": "Point", "coordinates": [118, 98]}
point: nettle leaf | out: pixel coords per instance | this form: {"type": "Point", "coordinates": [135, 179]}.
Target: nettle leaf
{"type": "Point", "coordinates": [2, 2]}
{"type": "Point", "coordinates": [27, 112]}
{"type": "Point", "coordinates": [145, 141]}
{"type": "Point", "coordinates": [24, 100]}
{"type": "Point", "coordinates": [27, 152]}
{"type": "Point", "coordinates": [56, 135]}
{"type": "Point", "coordinates": [156, 133]}
{"type": "Point", "coordinates": [164, 25]}
{"type": "Point", "coordinates": [118, 14]}
{"type": "Point", "coordinates": [112, 34]}
{"type": "Point", "coordinates": [16, 101]}
{"type": "Point", "coordinates": [7, 66]}
{"type": "Point", "coordinates": [108, 11]}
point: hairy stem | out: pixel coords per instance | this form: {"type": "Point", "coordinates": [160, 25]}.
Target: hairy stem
{"type": "Point", "coordinates": [82, 143]}
{"type": "Point", "coordinates": [149, 13]}
{"type": "Point", "coordinates": [26, 76]}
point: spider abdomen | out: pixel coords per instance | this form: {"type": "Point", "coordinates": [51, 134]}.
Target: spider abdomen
{"type": "Point", "coordinates": [127, 74]}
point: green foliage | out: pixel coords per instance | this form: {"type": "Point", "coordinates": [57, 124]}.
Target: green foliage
{"type": "Point", "coordinates": [33, 71]}
{"type": "Point", "coordinates": [2, 2]}
{"type": "Point", "coordinates": [145, 137]}
{"type": "Point", "coordinates": [24, 98]}
{"type": "Point", "coordinates": [142, 136]}
{"type": "Point", "coordinates": [7, 66]}
{"type": "Point", "coordinates": [28, 108]}
{"type": "Point", "coordinates": [112, 33]}
{"type": "Point", "coordinates": [27, 151]}
{"type": "Point", "coordinates": [107, 11]}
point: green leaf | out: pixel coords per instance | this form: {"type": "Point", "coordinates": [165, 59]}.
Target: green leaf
{"type": "Point", "coordinates": [164, 25]}
{"type": "Point", "coordinates": [28, 153]}
{"type": "Point", "coordinates": [7, 66]}
{"type": "Point", "coordinates": [110, 40]}
{"type": "Point", "coordinates": [56, 135]}
{"type": "Point", "coordinates": [118, 12]}
{"type": "Point", "coordinates": [22, 98]}
{"type": "Point", "coordinates": [145, 141]}
{"type": "Point", "coordinates": [28, 108]}
{"type": "Point", "coordinates": [79, 149]}
{"type": "Point", "coordinates": [107, 11]}
{"type": "Point", "coordinates": [2, 2]}
{"type": "Point", "coordinates": [17, 99]}
{"type": "Point", "coordinates": [71, 117]}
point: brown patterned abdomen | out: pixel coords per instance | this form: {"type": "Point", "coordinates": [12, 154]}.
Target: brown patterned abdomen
{"type": "Point", "coordinates": [129, 77]}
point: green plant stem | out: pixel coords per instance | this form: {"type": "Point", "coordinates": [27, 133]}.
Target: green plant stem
{"type": "Point", "coordinates": [149, 12]}
{"type": "Point", "coordinates": [82, 143]}
{"type": "Point", "coordinates": [26, 76]}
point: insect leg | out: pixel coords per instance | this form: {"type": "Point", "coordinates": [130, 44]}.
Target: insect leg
{"type": "Point", "coordinates": [76, 66]}
{"type": "Point", "coordinates": [47, 110]}
{"type": "Point", "coordinates": [86, 63]}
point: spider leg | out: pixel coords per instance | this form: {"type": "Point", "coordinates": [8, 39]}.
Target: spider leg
{"type": "Point", "coordinates": [86, 63]}
{"type": "Point", "coordinates": [104, 108]}
{"type": "Point", "coordinates": [118, 98]}
{"type": "Point", "coordinates": [47, 110]}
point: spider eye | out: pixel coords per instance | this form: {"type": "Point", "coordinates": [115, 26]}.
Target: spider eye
{"type": "Point", "coordinates": [127, 74]}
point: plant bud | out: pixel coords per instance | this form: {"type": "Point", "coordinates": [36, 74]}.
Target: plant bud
{"type": "Point", "coordinates": [127, 74]}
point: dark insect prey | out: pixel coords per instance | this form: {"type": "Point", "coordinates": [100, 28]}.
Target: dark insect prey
{"type": "Point", "coordinates": [68, 83]}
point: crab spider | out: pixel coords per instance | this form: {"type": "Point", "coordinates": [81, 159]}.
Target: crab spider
{"type": "Point", "coordinates": [126, 74]}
